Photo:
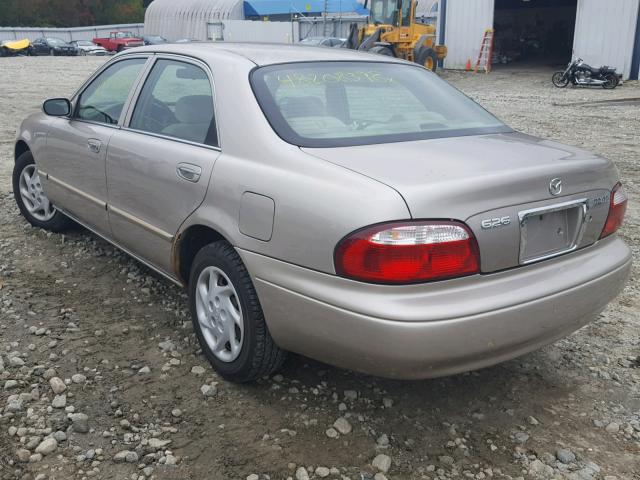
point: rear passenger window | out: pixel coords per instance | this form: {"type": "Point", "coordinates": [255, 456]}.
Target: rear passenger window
{"type": "Point", "coordinates": [177, 101]}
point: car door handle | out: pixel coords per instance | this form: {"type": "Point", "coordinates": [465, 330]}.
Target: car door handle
{"type": "Point", "coordinates": [94, 145]}
{"type": "Point", "coordinates": [188, 172]}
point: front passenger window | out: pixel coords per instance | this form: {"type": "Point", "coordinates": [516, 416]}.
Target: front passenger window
{"type": "Point", "coordinates": [103, 100]}
{"type": "Point", "coordinates": [177, 101]}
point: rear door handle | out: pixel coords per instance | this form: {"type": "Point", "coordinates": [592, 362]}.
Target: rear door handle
{"type": "Point", "coordinates": [189, 172]}
{"type": "Point", "coordinates": [94, 145]}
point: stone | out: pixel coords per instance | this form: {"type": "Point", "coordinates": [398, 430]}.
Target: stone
{"type": "Point", "coordinates": [342, 426]}
{"type": "Point", "coordinates": [78, 378]}
{"type": "Point", "coordinates": [253, 476]}
{"type": "Point", "coordinates": [167, 346]}
{"type": "Point", "coordinates": [79, 422]}
{"type": "Point", "coordinates": [157, 443]}
{"type": "Point", "coordinates": [565, 456]}
{"type": "Point", "coordinates": [322, 472]}
{"type": "Point", "coordinates": [176, 412]}
{"type": "Point", "coordinates": [16, 362]}
{"type": "Point", "coordinates": [209, 390]}
{"type": "Point", "coordinates": [521, 437]}
{"type": "Point", "coordinates": [9, 384]}
{"type": "Point", "coordinates": [302, 474]}
{"type": "Point", "coordinates": [383, 440]}
{"type": "Point", "coordinates": [126, 456]}
{"type": "Point", "coordinates": [382, 462]}
{"type": "Point", "coordinates": [57, 385]}
{"type": "Point", "coordinates": [144, 370]}
{"type": "Point", "coordinates": [197, 370]}
{"type": "Point", "coordinates": [379, 476]}
{"type": "Point", "coordinates": [60, 436]}
{"type": "Point", "coordinates": [23, 455]}
{"type": "Point", "coordinates": [387, 402]}
{"type": "Point", "coordinates": [613, 427]}
{"type": "Point", "coordinates": [59, 401]}
{"type": "Point", "coordinates": [332, 433]}
{"type": "Point", "coordinates": [351, 395]}
{"type": "Point", "coordinates": [47, 446]}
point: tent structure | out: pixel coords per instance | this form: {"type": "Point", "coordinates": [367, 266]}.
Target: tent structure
{"type": "Point", "coordinates": [174, 19]}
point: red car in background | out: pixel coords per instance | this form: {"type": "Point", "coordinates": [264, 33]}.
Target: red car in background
{"type": "Point", "coordinates": [118, 41]}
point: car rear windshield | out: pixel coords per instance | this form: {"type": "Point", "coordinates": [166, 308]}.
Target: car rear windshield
{"type": "Point", "coordinates": [336, 104]}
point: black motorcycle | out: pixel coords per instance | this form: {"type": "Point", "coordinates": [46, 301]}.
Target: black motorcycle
{"type": "Point", "coordinates": [579, 73]}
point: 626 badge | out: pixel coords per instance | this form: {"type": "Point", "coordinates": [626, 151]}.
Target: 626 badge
{"type": "Point", "coordinates": [489, 223]}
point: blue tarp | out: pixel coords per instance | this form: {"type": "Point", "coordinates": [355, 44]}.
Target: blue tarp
{"type": "Point", "coordinates": [264, 8]}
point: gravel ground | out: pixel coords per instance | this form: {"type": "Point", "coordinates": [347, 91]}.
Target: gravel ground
{"type": "Point", "coordinates": [100, 375]}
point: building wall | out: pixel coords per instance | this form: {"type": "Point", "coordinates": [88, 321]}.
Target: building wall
{"type": "Point", "coordinates": [605, 33]}
{"type": "Point", "coordinates": [257, 31]}
{"type": "Point", "coordinates": [466, 21]}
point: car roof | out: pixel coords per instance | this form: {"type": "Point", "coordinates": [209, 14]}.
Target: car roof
{"type": "Point", "coordinates": [268, 53]}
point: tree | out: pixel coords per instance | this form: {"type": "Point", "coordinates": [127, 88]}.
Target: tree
{"type": "Point", "coordinates": [69, 13]}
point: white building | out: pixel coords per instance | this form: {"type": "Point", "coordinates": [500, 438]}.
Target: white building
{"type": "Point", "coordinates": [544, 32]}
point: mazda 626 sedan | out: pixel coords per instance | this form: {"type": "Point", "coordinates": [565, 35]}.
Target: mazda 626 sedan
{"type": "Point", "coordinates": [349, 207]}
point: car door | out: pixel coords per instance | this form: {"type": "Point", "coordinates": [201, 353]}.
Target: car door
{"type": "Point", "coordinates": [76, 146]}
{"type": "Point", "coordinates": [39, 46]}
{"type": "Point", "coordinates": [160, 162]}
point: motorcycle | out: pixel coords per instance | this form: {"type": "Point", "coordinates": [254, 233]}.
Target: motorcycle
{"type": "Point", "coordinates": [579, 73]}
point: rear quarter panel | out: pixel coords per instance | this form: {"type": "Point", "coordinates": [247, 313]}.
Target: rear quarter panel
{"type": "Point", "coordinates": [316, 203]}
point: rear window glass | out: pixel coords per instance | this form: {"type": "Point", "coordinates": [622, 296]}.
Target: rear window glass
{"type": "Point", "coordinates": [332, 104]}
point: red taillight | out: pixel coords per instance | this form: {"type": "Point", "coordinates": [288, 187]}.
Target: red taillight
{"type": "Point", "coordinates": [408, 252]}
{"type": "Point", "coordinates": [617, 209]}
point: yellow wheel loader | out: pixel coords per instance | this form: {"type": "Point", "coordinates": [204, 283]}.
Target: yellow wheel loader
{"type": "Point", "coordinates": [392, 29]}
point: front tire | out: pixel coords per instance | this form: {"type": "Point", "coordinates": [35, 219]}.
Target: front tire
{"type": "Point", "coordinates": [428, 58]}
{"type": "Point", "coordinates": [227, 316]}
{"type": "Point", "coordinates": [560, 80]}
{"type": "Point", "coordinates": [34, 205]}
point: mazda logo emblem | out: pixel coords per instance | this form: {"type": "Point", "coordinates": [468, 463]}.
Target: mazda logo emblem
{"type": "Point", "coordinates": [555, 186]}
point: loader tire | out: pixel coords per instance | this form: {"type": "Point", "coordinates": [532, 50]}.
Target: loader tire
{"type": "Point", "coordinates": [428, 58]}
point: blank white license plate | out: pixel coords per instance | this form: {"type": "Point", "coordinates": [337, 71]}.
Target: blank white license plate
{"type": "Point", "coordinates": [550, 231]}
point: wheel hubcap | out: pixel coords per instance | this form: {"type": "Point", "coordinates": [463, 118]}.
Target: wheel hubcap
{"type": "Point", "coordinates": [32, 195]}
{"type": "Point", "coordinates": [219, 314]}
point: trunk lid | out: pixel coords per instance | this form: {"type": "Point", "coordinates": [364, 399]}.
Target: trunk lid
{"type": "Point", "coordinates": [482, 180]}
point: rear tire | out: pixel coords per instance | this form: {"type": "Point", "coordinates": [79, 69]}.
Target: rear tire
{"type": "Point", "coordinates": [56, 222]}
{"type": "Point", "coordinates": [611, 81]}
{"type": "Point", "coordinates": [559, 80]}
{"type": "Point", "coordinates": [230, 295]}
{"type": "Point", "coordinates": [428, 58]}
{"type": "Point", "coordinates": [382, 50]}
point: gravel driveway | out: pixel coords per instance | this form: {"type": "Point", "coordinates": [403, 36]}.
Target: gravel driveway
{"type": "Point", "coordinates": [101, 377]}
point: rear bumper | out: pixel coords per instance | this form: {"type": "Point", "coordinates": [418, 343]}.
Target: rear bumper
{"type": "Point", "coordinates": [429, 330]}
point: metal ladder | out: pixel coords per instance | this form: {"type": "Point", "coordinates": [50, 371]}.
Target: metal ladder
{"type": "Point", "coordinates": [486, 52]}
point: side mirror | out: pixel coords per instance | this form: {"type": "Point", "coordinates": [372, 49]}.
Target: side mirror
{"type": "Point", "coordinates": [57, 107]}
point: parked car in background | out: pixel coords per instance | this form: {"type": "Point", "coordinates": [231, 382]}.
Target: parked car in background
{"type": "Point", "coordinates": [376, 219]}
{"type": "Point", "coordinates": [323, 41]}
{"type": "Point", "coordinates": [86, 47]}
{"type": "Point", "coordinates": [153, 40]}
{"type": "Point", "coordinates": [12, 48]}
{"type": "Point", "coordinates": [52, 46]}
{"type": "Point", "coordinates": [119, 41]}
